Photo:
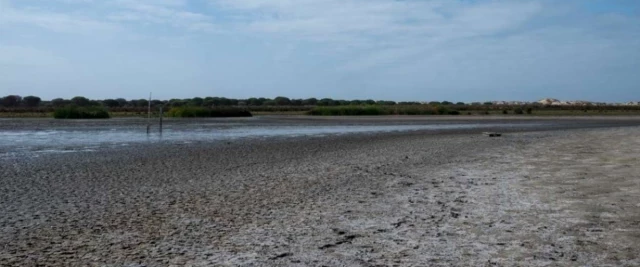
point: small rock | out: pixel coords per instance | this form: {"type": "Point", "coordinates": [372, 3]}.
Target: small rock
{"type": "Point", "coordinates": [279, 256]}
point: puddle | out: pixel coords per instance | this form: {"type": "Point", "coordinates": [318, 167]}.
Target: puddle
{"type": "Point", "coordinates": [88, 140]}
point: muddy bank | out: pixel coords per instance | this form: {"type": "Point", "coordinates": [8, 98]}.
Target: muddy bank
{"type": "Point", "coordinates": [24, 138]}
{"type": "Point", "coordinates": [533, 198]}
{"type": "Point", "coordinates": [13, 124]}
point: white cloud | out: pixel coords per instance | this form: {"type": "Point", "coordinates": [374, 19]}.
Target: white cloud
{"type": "Point", "coordinates": [12, 55]}
{"type": "Point", "coordinates": [388, 30]}
{"type": "Point", "coordinates": [380, 17]}
{"type": "Point", "coordinates": [90, 17]}
{"type": "Point", "coordinates": [168, 12]}
{"type": "Point", "coordinates": [52, 20]}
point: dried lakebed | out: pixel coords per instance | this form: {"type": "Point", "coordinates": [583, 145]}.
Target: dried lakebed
{"type": "Point", "coordinates": [569, 197]}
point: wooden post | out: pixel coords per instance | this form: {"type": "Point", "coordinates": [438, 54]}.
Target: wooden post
{"type": "Point", "coordinates": [149, 116]}
{"type": "Point", "coordinates": [161, 115]}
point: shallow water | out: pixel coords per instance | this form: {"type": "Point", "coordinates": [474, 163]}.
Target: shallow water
{"type": "Point", "coordinates": [87, 139]}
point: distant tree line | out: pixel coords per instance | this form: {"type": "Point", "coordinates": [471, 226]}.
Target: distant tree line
{"type": "Point", "coordinates": [18, 101]}
{"type": "Point", "coordinates": [280, 103]}
{"type": "Point", "coordinates": [34, 101]}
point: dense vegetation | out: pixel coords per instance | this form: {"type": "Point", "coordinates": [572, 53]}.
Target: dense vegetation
{"type": "Point", "coordinates": [214, 106]}
{"type": "Point", "coordinates": [192, 112]}
{"type": "Point", "coordinates": [14, 101]}
{"type": "Point", "coordinates": [369, 110]}
{"type": "Point", "coordinates": [75, 112]}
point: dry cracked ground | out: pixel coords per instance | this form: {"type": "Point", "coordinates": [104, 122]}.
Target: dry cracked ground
{"type": "Point", "coordinates": [554, 198]}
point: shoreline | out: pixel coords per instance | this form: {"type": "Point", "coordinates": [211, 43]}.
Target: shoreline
{"type": "Point", "coordinates": [40, 123]}
{"type": "Point", "coordinates": [39, 137]}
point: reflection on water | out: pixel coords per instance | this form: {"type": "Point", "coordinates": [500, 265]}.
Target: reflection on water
{"type": "Point", "coordinates": [70, 140]}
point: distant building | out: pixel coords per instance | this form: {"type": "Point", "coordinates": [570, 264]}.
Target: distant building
{"type": "Point", "coordinates": [510, 103]}
{"type": "Point", "coordinates": [556, 102]}
{"type": "Point", "coordinates": [550, 101]}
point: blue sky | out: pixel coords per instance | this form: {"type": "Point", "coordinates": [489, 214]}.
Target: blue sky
{"type": "Point", "coordinates": [420, 50]}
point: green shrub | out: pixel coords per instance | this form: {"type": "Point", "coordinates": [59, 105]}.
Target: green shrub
{"type": "Point", "coordinates": [518, 111]}
{"type": "Point", "coordinates": [416, 110]}
{"type": "Point", "coordinates": [200, 112]}
{"type": "Point", "coordinates": [373, 110]}
{"type": "Point", "coordinates": [75, 112]}
{"type": "Point", "coordinates": [348, 111]}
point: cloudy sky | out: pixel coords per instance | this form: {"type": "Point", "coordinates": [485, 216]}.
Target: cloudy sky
{"type": "Point", "coordinates": [456, 50]}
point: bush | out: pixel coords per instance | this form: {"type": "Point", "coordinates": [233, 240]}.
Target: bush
{"type": "Point", "coordinates": [442, 110]}
{"type": "Point", "coordinates": [348, 111]}
{"type": "Point", "coordinates": [415, 110]}
{"type": "Point", "coordinates": [75, 112]}
{"type": "Point", "coordinates": [518, 111]}
{"type": "Point", "coordinates": [10, 100]}
{"type": "Point", "coordinates": [81, 101]}
{"type": "Point", "coordinates": [31, 101]}
{"type": "Point", "coordinates": [529, 111]}
{"type": "Point", "coordinates": [200, 112]}
{"type": "Point", "coordinates": [373, 110]}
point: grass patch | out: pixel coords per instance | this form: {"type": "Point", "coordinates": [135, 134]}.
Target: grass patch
{"type": "Point", "coordinates": [200, 112]}
{"type": "Point", "coordinates": [272, 113]}
{"type": "Point", "coordinates": [349, 111]}
{"type": "Point", "coordinates": [25, 114]}
{"type": "Point", "coordinates": [73, 112]}
{"type": "Point", "coordinates": [376, 110]}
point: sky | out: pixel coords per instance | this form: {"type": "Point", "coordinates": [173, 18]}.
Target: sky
{"type": "Point", "coordinates": [402, 50]}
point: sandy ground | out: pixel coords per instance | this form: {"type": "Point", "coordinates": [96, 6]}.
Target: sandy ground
{"type": "Point", "coordinates": [551, 198]}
